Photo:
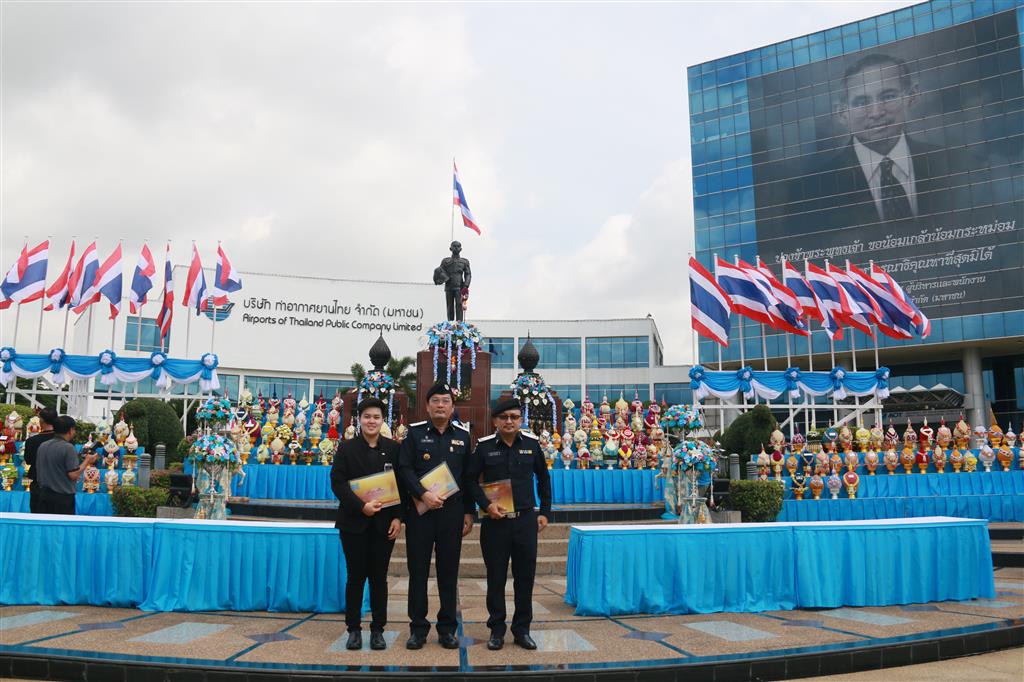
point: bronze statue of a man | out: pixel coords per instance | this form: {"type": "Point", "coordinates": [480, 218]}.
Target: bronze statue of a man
{"type": "Point", "coordinates": [455, 275]}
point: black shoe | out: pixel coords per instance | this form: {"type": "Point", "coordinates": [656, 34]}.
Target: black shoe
{"type": "Point", "coordinates": [526, 642]}
{"type": "Point", "coordinates": [415, 641]}
{"type": "Point", "coordinates": [355, 641]}
{"type": "Point", "coordinates": [449, 641]}
{"type": "Point", "coordinates": [495, 643]}
{"type": "Point", "coordinates": [377, 642]}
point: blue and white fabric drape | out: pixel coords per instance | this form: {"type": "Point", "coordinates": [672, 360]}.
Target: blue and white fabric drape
{"type": "Point", "coordinates": [58, 367]}
{"type": "Point", "coordinates": [770, 385]}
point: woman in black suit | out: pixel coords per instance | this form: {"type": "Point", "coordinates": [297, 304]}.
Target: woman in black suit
{"type": "Point", "coordinates": [367, 531]}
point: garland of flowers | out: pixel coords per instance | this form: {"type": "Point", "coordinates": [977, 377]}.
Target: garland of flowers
{"type": "Point", "coordinates": [529, 389]}
{"type": "Point", "coordinates": [454, 336]}
{"type": "Point", "coordinates": [212, 448]}
{"type": "Point", "coordinates": [381, 385]}
{"type": "Point", "coordinates": [696, 455]}
{"type": "Point", "coordinates": [215, 410]}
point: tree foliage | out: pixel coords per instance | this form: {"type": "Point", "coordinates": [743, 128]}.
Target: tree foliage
{"type": "Point", "coordinates": [749, 432]}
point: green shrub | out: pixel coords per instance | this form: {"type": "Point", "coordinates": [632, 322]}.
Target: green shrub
{"type": "Point", "coordinates": [83, 430]}
{"type": "Point", "coordinates": [178, 454]}
{"type": "Point", "coordinates": [756, 500]}
{"type": "Point", "coordinates": [25, 412]}
{"type": "Point", "coordinates": [154, 422]}
{"type": "Point", "coordinates": [749, 432]}
{"type": "Point", "coordinates": [160, 478]}
{"type": "Point", "coordinates": [176, 466]}
{"type": "Point", "coordinates": [139, 502]}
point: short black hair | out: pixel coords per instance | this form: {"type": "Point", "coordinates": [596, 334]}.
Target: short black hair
{"type": "Point", "coordinates": [63, 424]}
{"type": "Point", "coordinates": [367, 403]}
{"type": "Point", "coordinates": [877, 59]}
{"type": "Point", "coordinates": [48, 415]}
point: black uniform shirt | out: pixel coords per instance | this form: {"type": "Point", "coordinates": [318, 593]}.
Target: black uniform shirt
{"type": "Point", "coordinates": [32, 446]}
{"type": "Point", "coordinates": [519, 462]}
{"type": "Point", "coordinates": [425, 448]}
{"type": "Point", "coordinates": [355, 459]}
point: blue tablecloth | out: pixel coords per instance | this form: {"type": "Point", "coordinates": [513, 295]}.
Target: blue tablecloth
{"type": "Point", "coordinates": [74, 560]}
{"type": "Point", "coordinates": [172, 565]}
{"type": "Point", "coordinates": [756, 567]}
{"type": "Point", "coordinates": [97, 504]}
{"type": "Point", "coordinates": [993, 507]}
{"type": "Point", "coordinates": [568, 486]}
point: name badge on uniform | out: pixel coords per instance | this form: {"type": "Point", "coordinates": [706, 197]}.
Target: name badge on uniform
{"type": "Point", "coordinates": [458, 442]}
{"type": "Point", "coordinates": [526, 452]}
{"type": "Point", "coordinates": [426, 439]}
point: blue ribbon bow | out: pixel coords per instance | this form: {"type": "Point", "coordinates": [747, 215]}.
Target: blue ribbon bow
{"type": "Point", "coordinates": [745, 375]}
{"type": "Point", "coordinates": [7, 356]}
{"type": "Point", "coordinates": [157, 359]}
{"type": "Point", "coordinates": [107, 359]}
{"type": "Point", "coordinates": [837, 375]}
{"type": "Point", "coordinates": [57, 356]}
{"type": "Point", "coordinates": [696, 376]}
{"type": "Point", "coordinates": [209, 363]}
{"type": "Point", "coordinates": [792, 376]}
{"type": "Point", "coordinates": [882, 378]}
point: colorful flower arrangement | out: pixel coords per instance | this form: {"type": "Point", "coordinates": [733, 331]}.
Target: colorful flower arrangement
{"type": "Point", "coordinates": [215, 409]}
{"type": "Point", "coordinates": [682, 418]}
{"type": "Point", "coordinates": [695, 455]}
{"type": "Point", "coordinates": [210, 448]}
{"type": "Point", "coordinates": [530, 390]}
{"type": "Point", "coordinates": [454, 336]}
{"type": "Point", "coordinates": [380, 385]}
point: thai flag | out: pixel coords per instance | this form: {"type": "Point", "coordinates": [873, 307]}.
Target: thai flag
{"type": "Point", "coordinates": [26, 280]}
{"type": "Point", "coordinates": [195, 284]}
{"type": "Point", "coordinates": [709, 305]}
{"type": "Point", "coordinates": [163, 318]}
{"type": "Point", "coordinates": [829, 298]}
{"type": "Point", "coordinates": [226, 280]}
{"type": "Point", "coordinates": [746, 296]}
{"type": "Point", "coordinates": [896, 318]}
{"type": "Point", "coordinates": [785, 309]}
{"type": "Point", "coordinates": [60, 291]}
{"type": "Point", "coordinates": [792, 278]}
{"type": "Point", "coordinates": [108, 282]}
{"type": "Point", "coordinates": [459, 199]}
{"type": "Point", "coordinates": [923, 325]}
{"type": "Point", "coordinates": [83, 278]}
{"type": "Point", "coordinates": [142, 280]}
{"type": "Point", "coordinates": [861, 310]}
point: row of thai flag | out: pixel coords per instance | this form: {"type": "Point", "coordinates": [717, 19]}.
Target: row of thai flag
{"type": "Point", "coordinates": [832, 295]}
{"type": "Point", "coordinates": [86, 280]}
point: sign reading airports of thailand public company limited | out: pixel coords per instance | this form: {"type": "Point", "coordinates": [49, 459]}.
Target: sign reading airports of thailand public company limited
{"type": "Point", "coordinates": [311, 325]}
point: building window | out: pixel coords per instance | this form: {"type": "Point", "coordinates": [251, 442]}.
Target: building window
{"type": "Point", "coordinates": [328, 388]}
{"type": "Point", "coordinates": [617, 351]}
{"type": "Point", "coordinates": [673, 394]}
{"type": "Point", "coordinates": [556, 353]}
{"type": "Point", "coordinates": [277, 386]}
{"type": "Point", "coordinates": [141, 333]}
{"type": "Point", "coordinates": [570, 391]}
{"type": "Point", "coordinates": [598, 392]}
{"type": "Point", "coordinates": [503, 352]}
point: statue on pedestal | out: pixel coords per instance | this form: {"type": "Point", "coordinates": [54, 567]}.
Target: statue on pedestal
{"type": "Point", "coordinates": [455, 275]}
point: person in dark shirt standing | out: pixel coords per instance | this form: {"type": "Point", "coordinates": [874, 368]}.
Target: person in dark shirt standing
{"type": "Point", "coordinates": [510, 533]}
{"type": "Point", "coordinates": [59, 470]}
{"type": "Point", "coordinates": [47, 416]}
{"type": "Point", "coordinates": [367, 530]}
{"type": "Point", "coordinates": [445, 521]}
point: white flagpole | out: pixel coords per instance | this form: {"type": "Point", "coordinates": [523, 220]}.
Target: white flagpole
{"type": "Point", "coordinates": [213, 322]}
{"type": "Point", "coordinates": [736, 262]}
{"type": "Point", "coordinates": [188, 330]}
{"type": "Point", "coordinates": [810, 362]}
{"type": "Point", "coordinates": [878, 410]}
{"type": "Point", "coordinates": [452, 199]}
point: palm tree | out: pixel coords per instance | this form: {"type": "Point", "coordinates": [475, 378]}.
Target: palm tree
{"type": "Point", "coordinates": [399, 370]}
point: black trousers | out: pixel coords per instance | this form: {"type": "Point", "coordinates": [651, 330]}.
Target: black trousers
{"type": "Point", "coordinates": [367, 556]}
{"type": "Point", "coordinates": [35, 500]}
{"type": "Point", "coordinates": [514, 539]}
{"type": "Point", "coordinates": [453, 299]}
{"type": "Point", "coordinates": [437, 531]}
{"type": "Point", "coordinates": [53, 502]}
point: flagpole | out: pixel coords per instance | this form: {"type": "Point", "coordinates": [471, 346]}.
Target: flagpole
{"type": "Point", "coordinates": [878, 410]}
{"type": "Point", "coordinates": [67, 314]}
{"type": "Point", "coordinates": [42, 305]}
{"type": "Point", "coordinates": [453, 202]}
{"type": "Point", "coordinates": [188, 331]}
{"type": "Point", "coordinates": [810, 420]}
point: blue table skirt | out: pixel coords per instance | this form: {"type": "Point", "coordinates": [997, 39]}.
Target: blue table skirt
{"type": "Point", "coordinates": [568, 486]}
{"type": "Point", "coordinates": [163, 565]}
{"type": "Point", "coordinates": [97, 504]}
{"type": "Point", "coordinates": [758, 567]}
{"type": "Point", "coordinates": [74, 560]}
{"type": "Point", "coordinates": [994, 507]}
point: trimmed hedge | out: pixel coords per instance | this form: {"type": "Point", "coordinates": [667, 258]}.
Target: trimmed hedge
{"type": "Point", "coordinates": [138, 502]}
{"type": "Point", "coordinates": [154, 422]}
{"type": "Point", "coordinates": [758, 501]}
{"type": "Point", "coordinates": [749, 431]}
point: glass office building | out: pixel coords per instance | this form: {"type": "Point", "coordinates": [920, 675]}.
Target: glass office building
{"type": "Point", "coordinates": [896, 141]}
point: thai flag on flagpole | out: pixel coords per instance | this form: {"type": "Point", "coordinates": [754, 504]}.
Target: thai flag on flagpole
{"type": "Point", "coordinates": [142, 280]}
{"type": "Point", "coordinates": [896, 319]}
{"type": "Point", "coordinates": [829, 299]}
{"type": "Point", "coordinates": [26, 280]}
{"type": "Point", "coordinates": [226, 280]}
{"type": "Point", "coordinates": [459, 199]}
{"type": "Point", "coordinates": [163, 318]}
{"type": "Point", "coordinates": [861, 312]}
{"type": "Point", "coordinates": [59, 293]}
{"type": "Point", "coordinates": [83, 278]}
{"type": "Point", "coordinates": [108, 282]}
{"type": "Point", "coordinates": [784, 307]}
{"type": "Point", "coordinates": [792, 278]}
{"type": "Point", "coordinates": [922, 323]}
{"type": "Point", "coordinates": [746, 296]}
{"type": "Point", "coordinates": [709, 305]}
{"type": "Point", "coordinates": [195, 284]}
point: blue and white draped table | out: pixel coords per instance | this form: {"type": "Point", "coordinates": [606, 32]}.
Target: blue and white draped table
{"type": "Point", "coordinates": [616, 570]}
{"type": "Point", "coordinates": [171, 565]}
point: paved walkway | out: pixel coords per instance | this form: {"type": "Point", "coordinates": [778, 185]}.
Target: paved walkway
{"type": "Point", "coordinates": [999, 666]}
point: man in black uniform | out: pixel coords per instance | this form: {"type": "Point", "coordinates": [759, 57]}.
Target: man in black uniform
{"type": "Point", "coordinates": [455, 275]}
{"type": "Point", "coordinates": [47, 416]}
{"type": "Point", "coordinates": [445, 521]}
{"type": "Point", "coordinates": [510, 533]}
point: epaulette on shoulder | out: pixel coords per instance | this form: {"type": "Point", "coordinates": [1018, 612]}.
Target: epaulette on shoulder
{"type": "Point", "coordinates": [529, 435]}
{"type": "Point", "coordinates": [461, 426]}
{"type": "Point", "coordinates": [490, 437]}
{"type": "Point", "coordinates": [418, 423]}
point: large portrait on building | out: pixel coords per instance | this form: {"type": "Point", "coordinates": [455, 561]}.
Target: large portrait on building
{"type": "Point", "coordinates": [908, 154]}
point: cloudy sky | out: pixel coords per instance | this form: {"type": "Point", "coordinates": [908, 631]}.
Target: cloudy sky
{"type": "Point", "coordinates": [318, 138]}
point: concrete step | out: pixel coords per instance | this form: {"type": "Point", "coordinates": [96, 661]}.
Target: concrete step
{"type": "Point", "coordinates": [546, 547]}
{"type": "Point", "coordinates": [473, 567]}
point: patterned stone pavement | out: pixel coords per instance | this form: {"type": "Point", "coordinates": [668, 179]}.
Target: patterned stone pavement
{"type": "Point", "coordinates": [253, 640]}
